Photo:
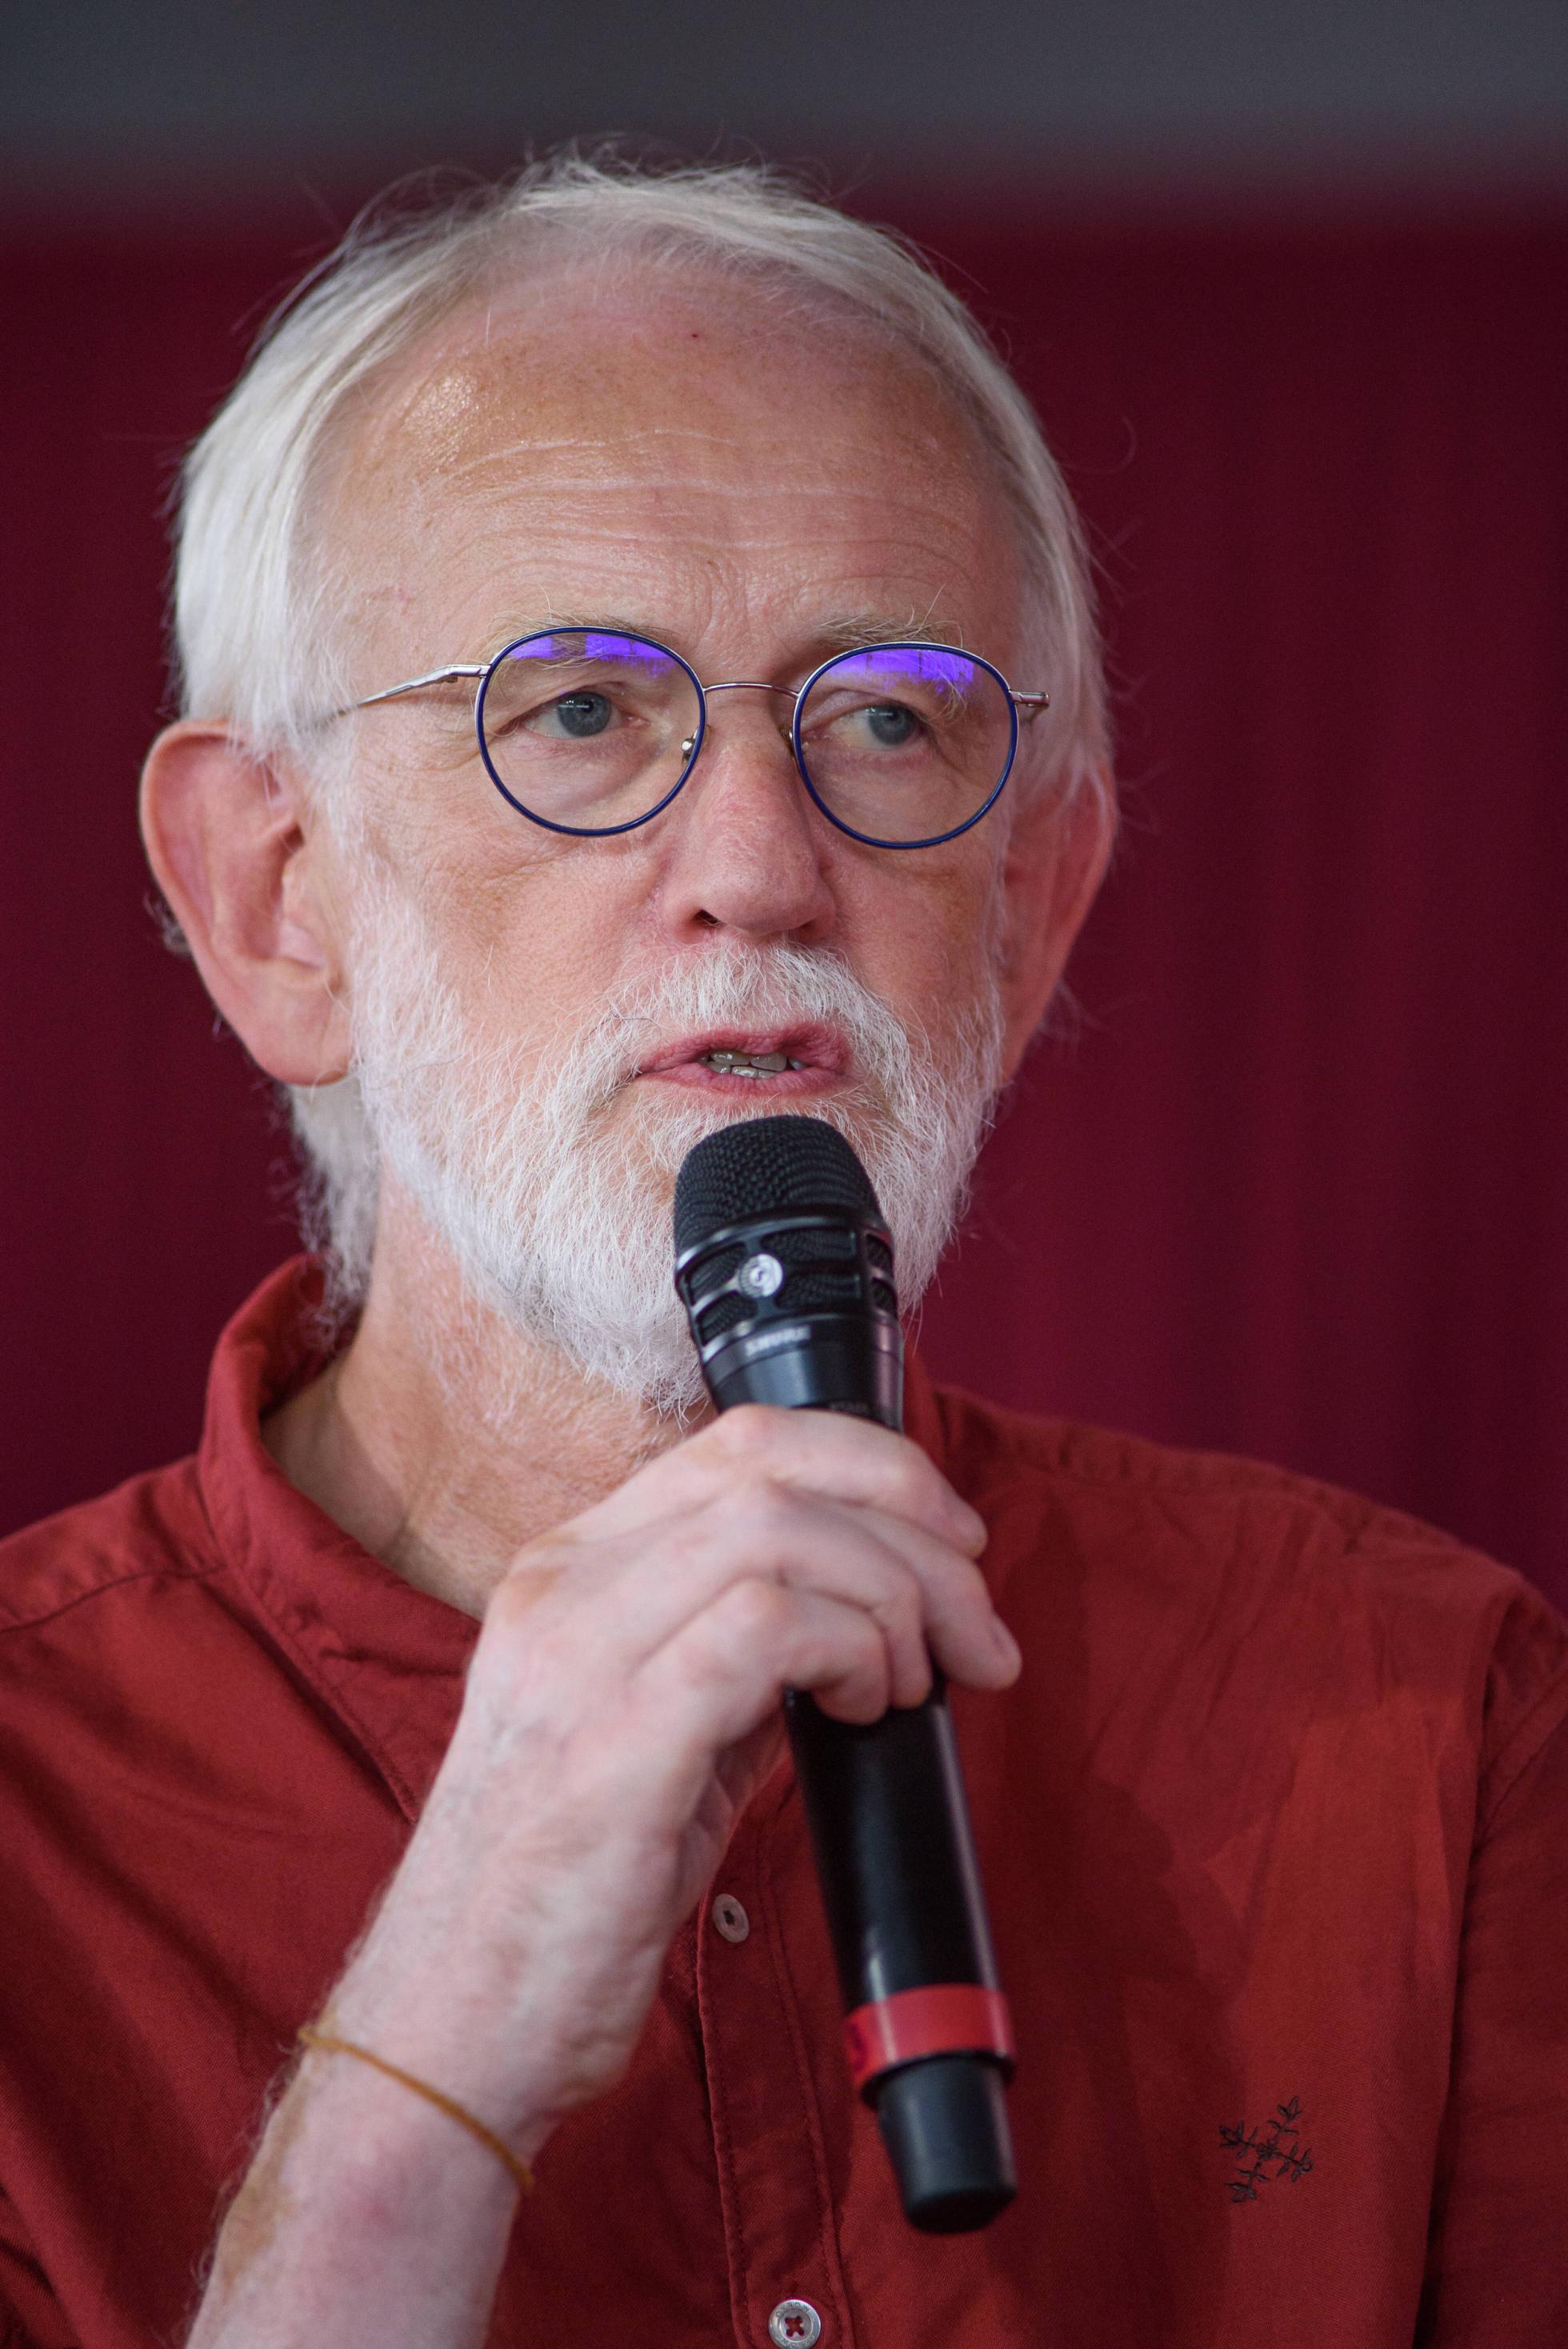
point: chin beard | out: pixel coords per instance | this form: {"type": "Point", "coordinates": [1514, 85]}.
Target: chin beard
{"type": "Point", "coordinates": [547, 1176]}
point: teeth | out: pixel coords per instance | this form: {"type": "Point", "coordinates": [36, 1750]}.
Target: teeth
{"type": "Point", "coordinates": [749, 1064]}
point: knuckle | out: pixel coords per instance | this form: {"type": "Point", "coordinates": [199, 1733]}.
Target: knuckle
{"type": "Point", "coordinates": [744, 1432]}
{"type": "Point", "coordinates": [905, 1613]}
{"type": "Point", "coordinates": [868, 1642]}
{"type": "Point", "coordinates": [955, 1584]}
{"type": "Point", "coordinates": [756, 1507]}
{"type": "Point", "coordinates": [754, 1611]}
{"type": "Point", "coordinates": [861, 1682]}
{"type": "Point", "coordinates": [921, 1477]}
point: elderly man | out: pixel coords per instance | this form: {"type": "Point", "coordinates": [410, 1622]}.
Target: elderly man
{"type": "Point", "coordinates": [618, 617]}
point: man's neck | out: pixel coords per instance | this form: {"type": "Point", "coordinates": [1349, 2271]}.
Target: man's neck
{"type": "Point", "coordinates": [444, 1442]}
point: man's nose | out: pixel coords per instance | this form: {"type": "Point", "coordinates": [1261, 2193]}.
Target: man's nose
{"type": "Point", "coordinates": [746, 844]}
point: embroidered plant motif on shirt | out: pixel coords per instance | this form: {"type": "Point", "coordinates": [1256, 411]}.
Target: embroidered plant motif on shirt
{"type": "Point", "coordinates": [1267, 2153]}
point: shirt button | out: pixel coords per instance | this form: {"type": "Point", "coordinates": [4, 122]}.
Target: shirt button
{"type": "Point", "coordinates": [794, 2324]}
{"type": "Point", "coordinates": [731, 1920]}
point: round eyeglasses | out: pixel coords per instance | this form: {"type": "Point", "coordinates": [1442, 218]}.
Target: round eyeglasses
{"type": "Point", "coordinates": [592, 732]}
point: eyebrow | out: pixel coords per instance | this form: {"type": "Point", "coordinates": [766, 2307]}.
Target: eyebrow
{"type": "Point", "coordinates": [855, 630]}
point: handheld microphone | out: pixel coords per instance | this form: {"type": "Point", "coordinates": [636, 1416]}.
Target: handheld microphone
{"type": "Point", "coordinates": [785, 1267]}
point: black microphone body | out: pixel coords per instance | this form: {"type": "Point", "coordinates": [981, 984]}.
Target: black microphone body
{"type": "Point", "coordinates": [785, 1267]}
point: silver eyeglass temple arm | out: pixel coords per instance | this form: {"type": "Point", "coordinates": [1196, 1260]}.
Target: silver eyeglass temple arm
{"type": "Point", "coordinates": [412, 684]}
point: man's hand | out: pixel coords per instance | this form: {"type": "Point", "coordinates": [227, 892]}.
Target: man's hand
{"type": "Point", "coordinates": [623, 1704]}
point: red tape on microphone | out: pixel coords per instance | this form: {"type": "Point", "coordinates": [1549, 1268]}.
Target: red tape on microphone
{"type": "Point", "coordinates": [939, 2019]}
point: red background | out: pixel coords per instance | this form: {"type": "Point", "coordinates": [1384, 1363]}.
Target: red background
{"type": "Point", "coordinates": [1295, 1186]}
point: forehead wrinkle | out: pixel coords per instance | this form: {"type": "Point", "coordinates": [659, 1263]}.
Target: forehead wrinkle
{"type": "Point", "coordinates": [596, 573]}
{"type": "Point", "coordinates": [516, 457]}
{"type": "Point", "coordinates": [661, 534]}
{"type": "Point", "coordinates": [528, 470]}
{"type": "Point", "coordinates": [627, 436]}
{"type": "Point", "coordinates": [561, 342]}
{"type": "Point", "coordinates": [605, 576]}
{"type": "Point", "coordinates": [435, 435]}
{"type": "Point", "coordinates": [447, 413]}
{"type": "Point", "coordinates": [559, 564]}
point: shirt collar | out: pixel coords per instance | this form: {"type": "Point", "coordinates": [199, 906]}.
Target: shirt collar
{"type": "Point", "coordinates": [386, 1658]}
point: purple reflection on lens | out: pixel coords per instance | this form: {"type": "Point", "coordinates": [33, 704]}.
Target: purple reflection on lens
{"type": "Point", "coordinates": [635, 649]}
{"type": "Point", "coordinates": [926, 663]}
{"type": "Point", "coordinates": [597, 645]}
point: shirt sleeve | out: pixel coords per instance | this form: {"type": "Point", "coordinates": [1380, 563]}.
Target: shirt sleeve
{"type": "Point", "coordinates": [1497, 2268]}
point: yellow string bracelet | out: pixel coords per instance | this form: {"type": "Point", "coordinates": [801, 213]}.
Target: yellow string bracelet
{"type": "Point", "coordinates": [519, 2171]}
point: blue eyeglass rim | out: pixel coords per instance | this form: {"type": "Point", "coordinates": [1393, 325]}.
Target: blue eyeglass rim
{"type": "Point", "coordinates": [577, 831]}
{"type": "Point", "coordinates": [895, 645]}
{"type": "Point", "coordinates": [868, 840]}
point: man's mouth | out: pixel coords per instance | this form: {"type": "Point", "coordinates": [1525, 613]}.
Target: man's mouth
{"type": "Point", "coordinates": [747, 1064]}
{"type": "Point", "coordinates": [797, 1059]}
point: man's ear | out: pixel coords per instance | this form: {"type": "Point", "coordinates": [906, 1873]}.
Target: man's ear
{"type": "Point", "coordinates": [247, 870]}
{"type": "Point", "coordinates": [1057, 858]}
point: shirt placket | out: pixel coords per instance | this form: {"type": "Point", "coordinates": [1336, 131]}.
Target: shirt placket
{"type": "Point", "coordinates": [787, 2286]}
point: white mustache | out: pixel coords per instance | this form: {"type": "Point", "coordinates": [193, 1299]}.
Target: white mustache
{"type": "Point", "coordinates": [734, 987]}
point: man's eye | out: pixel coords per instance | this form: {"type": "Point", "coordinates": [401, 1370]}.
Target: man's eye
{"type": "Point", "coordinates": [574, 716]}
{"type": "Point", "coordinates": [890, 724]}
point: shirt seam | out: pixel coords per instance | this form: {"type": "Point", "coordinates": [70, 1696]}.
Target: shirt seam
{"type": "Point", "coordinates": [1553, 1701]}
{"type": "Point", "coordinates": [735, 2246]}
{"type": "Point", "coordinates": [104, 1589]}
{"type": "Point", "coordinates": [780, 1956]}
{"type": "Point", "coordinates": [336, 1703]}
{"type": "Point", "coordinates": [326, 1695]}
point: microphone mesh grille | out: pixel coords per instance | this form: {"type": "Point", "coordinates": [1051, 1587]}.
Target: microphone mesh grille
{"type": "Point", "coordinates": [768, 1165]}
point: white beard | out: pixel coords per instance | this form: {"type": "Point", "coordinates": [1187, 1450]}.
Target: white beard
{"type": "Point", "coordinates": [549, 1180]}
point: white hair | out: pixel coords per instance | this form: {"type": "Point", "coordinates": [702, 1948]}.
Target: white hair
{"type": "Point", "coordinates": [253, 611]}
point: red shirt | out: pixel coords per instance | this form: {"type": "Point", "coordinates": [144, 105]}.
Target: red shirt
{"type": "Point", "coordinates": [1274, 1827]}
